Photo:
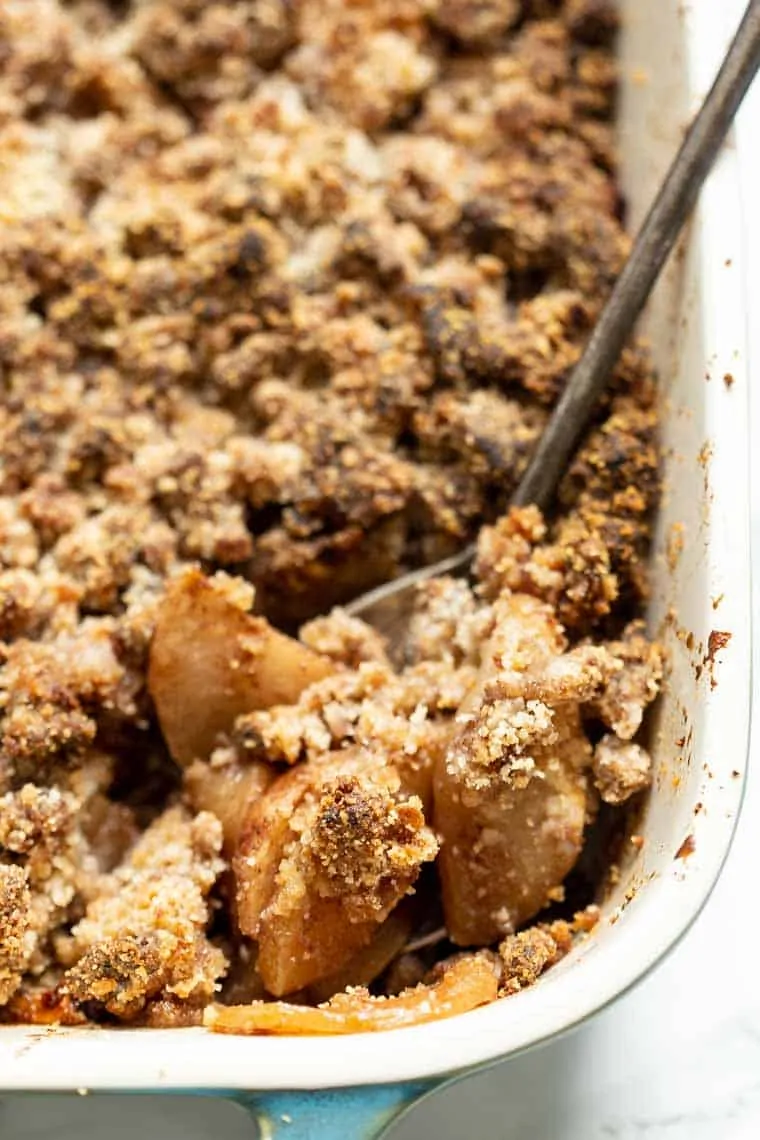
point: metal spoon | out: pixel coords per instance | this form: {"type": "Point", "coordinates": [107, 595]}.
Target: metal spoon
{"type": "Point", "coordinates": [389, 607]}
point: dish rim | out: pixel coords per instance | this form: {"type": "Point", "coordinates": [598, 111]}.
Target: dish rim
{"type": "Point", "coordinates": [37, 1059]}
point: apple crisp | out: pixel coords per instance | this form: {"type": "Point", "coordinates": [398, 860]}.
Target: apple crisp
{"type": "Point", "coordinates": [288, 289]}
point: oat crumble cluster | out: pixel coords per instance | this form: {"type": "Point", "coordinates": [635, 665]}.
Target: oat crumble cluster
{"type": "Point", "coordinates": [288, 289]}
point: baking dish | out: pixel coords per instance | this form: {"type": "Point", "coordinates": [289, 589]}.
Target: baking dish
{"type": "Point", "coordinates": [701, 594]}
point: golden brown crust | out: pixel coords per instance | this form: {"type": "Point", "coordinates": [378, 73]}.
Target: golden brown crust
{"type": "Point", "coordinates": [15, 903]}
{"type": "Point", "coordinates": [621, 768]}
{"type": "Point", "coordinates": [41, 837]}
{"type": "Point", "coordinates": [364, 846]}
{"type": "Point", "coordinates": [143, 933]}
{"type": "Point", "coordinates": [406, 718]}
{"type": "Point", "coordinates": [525, 956]}
{"type": "Point", "coordinates": [634, 684]}
{"type": "Point", "coordinates": [573, 573]}
{"type": "Point", "coordinates": [205, 214]}
{"type": "Point", "coordinates": [55, 692]}
{"type": "Point", "coordinates": [346, 640]}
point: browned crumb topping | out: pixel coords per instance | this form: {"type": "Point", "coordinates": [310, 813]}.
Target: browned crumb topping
{"type": "Point", "coordinates": [287, 292]}
{"type": "Point", "coordinates": [122, 974]}
{"type": "Point", "coordinates": [366, 846]}
{"type": "Point", "coordinates": [502, 740]}
{"type": "Point", "coordinates": [119, 973]}
{"type": "Point", "coordinates": [633, 686]}
{"type": "Point", "coordinates": [371, 706]}
{"type": "Point", "coordinates": [41, 838]}
{"type": "Point", "coordinates": [143, 933]}
{"type": "Point", "coordinates": [346, 640]}
{"type": "Point", "coordinates": [573, 573]}
{"type": "Point", "coordinates": [15, 901]}
{"type": "Point", "coordinates": [285, 284]}
{"type": "Point", "coordinates": [51, 695]}
{"type": "Point", "coordinates": [34, 816]}
{"type": "Point", "coordinates": [525, 956]}
{"type": "Point", "coordinates": [172, 1013]}
{"type": "Point", "coordinates": [447, 624]}
{"type": "Point", "coordinates": [621, 768]}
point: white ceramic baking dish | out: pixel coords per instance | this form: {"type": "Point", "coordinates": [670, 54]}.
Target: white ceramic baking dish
{"type": "Point", "coordinates": [697, 327]}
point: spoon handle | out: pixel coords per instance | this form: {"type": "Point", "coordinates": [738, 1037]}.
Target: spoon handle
{"type": "Point", "coordinates": [654, 242]}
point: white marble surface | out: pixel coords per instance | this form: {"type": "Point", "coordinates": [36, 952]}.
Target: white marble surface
{"type": "Point", "coordinates": [678, 1059]}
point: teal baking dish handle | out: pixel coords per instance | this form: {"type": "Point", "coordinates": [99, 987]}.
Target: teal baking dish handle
{"type": "Point", "coordinates": [361, 1113]}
